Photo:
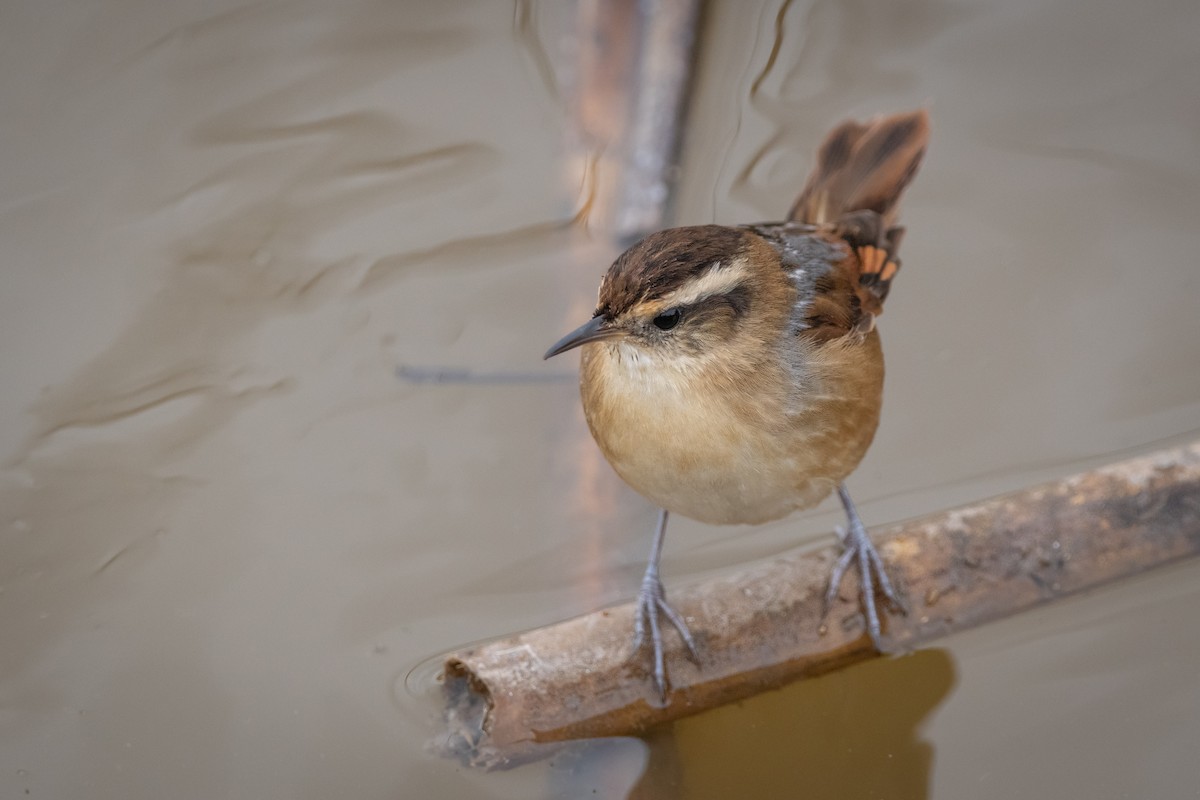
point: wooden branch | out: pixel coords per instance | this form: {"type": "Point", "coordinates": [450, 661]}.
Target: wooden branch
{"type": "Point", "coordinates": [763, 627]}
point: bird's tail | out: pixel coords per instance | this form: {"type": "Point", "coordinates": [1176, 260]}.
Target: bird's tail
{"type": "Point", "coordinates": [861, 172]}
{"type": "Point", "coordinates": [863, 167]}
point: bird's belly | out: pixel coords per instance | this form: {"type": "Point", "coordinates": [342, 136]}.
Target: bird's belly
{"type": "Point", "coordinates": [712, 492]}
{"type": "Point", "coordinates": [709, 460]}
{"type": "Point", "coordinates": [730, 457]}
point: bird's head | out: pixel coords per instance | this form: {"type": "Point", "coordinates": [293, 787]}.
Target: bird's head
{"type": "Point", "coordinates": [684, 294]}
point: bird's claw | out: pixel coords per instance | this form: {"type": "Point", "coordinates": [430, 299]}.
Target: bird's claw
{"type": "Point", "coordinates": [873, 577]}
{"type": "Point", "coordinates": [651, 602]}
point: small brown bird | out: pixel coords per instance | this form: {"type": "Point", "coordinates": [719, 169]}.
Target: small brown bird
{"type": "Point", "coordinates": [734, 374]}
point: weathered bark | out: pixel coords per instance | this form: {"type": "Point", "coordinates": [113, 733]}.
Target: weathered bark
{"type": "Point", "coordinates": [763, 627]}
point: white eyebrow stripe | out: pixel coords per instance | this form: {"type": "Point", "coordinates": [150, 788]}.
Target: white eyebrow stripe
{"type": "Point", "coordinates": [713, 281]}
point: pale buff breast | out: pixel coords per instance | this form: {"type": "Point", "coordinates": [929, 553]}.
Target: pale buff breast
{"type": "Point", "coordinates": [726, 455]}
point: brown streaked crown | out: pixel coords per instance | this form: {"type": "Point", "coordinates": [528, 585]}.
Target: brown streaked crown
{"type": "Point", "coordinates": [665, 261]}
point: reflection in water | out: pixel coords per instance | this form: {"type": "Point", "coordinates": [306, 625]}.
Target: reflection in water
{"type": "Point", "coordinates": [227, 526]}
{"type": "Point", "coordinates": [413, 374]}
{"type": "Point", "coordinates": [849, 734]}
{"type": "Point", "coordinates": [853, 733]}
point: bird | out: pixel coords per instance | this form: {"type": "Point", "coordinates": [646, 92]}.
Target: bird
{"type": "Point", "coordinates": [734, 374]}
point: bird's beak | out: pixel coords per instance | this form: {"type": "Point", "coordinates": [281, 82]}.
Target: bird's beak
{"type": "Point", "coordinates": [593, 330]}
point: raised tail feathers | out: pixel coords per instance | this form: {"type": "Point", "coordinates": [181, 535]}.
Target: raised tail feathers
{"type": "Point", "coordinates": [862, 169]}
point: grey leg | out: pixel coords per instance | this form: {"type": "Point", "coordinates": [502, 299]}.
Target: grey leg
{"type": "Point", "coordinates": [873, 575]}
{"type": "Point", "coordinates": [652, 601]}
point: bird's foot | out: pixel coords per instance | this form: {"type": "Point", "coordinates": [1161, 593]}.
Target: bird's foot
{"type": "Point", "coordinates": [873, 577]}
{"type": "Point", "coordinates": [651, 602]}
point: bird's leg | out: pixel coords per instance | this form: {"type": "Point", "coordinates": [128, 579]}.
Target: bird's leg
{"type": "Point", "coordinates": [652, 601]}
{"type": "Point", "coordinates": [873, 575]}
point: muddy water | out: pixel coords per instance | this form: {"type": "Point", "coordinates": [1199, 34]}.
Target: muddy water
{"type": "Point", "coordinates": [233, 536]}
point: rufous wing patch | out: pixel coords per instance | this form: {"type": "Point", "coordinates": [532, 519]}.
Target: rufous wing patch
{"type": "Point", "coordinates": [876, 270]}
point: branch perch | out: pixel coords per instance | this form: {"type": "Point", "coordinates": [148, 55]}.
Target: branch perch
{"type": "Point", "coordinates": [763, 627]}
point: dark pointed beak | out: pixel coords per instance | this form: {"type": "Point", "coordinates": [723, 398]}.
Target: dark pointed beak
{"type": "Point", "coordinates": [593, 330]}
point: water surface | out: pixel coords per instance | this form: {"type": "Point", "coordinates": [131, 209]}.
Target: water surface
{"type": "Point", "coordinates": [231, 531]}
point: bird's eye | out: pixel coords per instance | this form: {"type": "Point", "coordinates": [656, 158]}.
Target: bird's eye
{"type": "Point", "coordinates": [667, 319]}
